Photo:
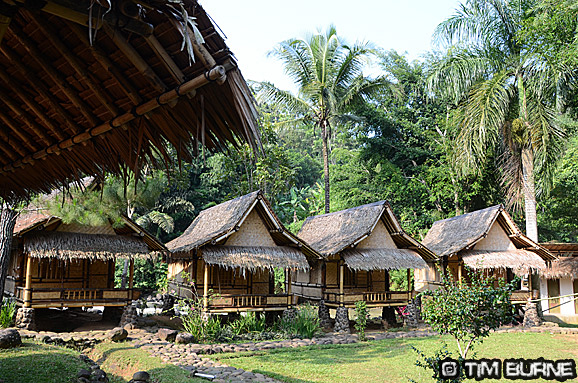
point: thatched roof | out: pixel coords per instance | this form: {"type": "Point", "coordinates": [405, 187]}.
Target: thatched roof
{"type": "Point", "coordinates": [382, 259]}
{"type": "Point", "coordinates": [254, 257]}
{"type": "Point", "coordinates": [561, 249]}
{"type": "Point", "coordinates": [340, 232]}
{"type": "Point", "coordinates": [452, 235]}
{"type": "Point", "coordinates": [563, 267]}
{"type": "Point", "coordinates": [213, 226]}
{"type": "Point", "coordinates": [87, 101]}
{"type": "Point", "coordinates": [520, 261]}
{"type": "Point", "coordinates": [68, 246]}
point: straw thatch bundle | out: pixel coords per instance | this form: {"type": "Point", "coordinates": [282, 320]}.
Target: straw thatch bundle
{"type": "Point", "coordinates": [213, 223]}
{"type": "Point", "coordinates": [454, 234]}
{"type": "Point", "coordinates": [63, 245]}
{"type": "Point", "coordinates": [520, 261]}
{"type": "Point", "coordinates": [253, 258]}
{"type": "Point", "coordinates": [382, 259]}
{"type": "Point", "coordinates": [563, 267]}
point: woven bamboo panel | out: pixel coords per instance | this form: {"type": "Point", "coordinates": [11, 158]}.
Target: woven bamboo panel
{"type": "Point", "coordinates": [115, 294]}
{"type": "Point", "coordinates": [331, 273]}
{"type": "Point", "coordinates": [252, 232]}
{"type": "Point", "coordinates": [495, 240]}
{"type": "Point", "coordinates": [43, 295]}
{"type": "Point", "coordinates": [378, 239]}
{"type": "Point", "coordinates": [84, 229]}
{"type": "Point", "coordinates": [222, 301]}
{"type": "Point", "coordinates": [273, 300]}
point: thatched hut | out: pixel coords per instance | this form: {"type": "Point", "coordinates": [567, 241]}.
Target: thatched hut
{"type": "Point", "coordinates": [559, 282]}
{"type": "Point", "coordinates": [489, 240]}
{"type": "Point", "coordinates": [232, 250]}
{"type": "Point", "coordinates": [54, 264]}
{"type": "Point", "coordinates": [358, 247]}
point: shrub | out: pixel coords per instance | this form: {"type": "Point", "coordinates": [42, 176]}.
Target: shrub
{"type": "Point", "coordinates": [8, 313]}
{"type": "Point", "coordinates": [305, 324]}
{"type": "Point", "coordinates": [362, 314]}
{"type": "Point", "coordinates": [248, 323]}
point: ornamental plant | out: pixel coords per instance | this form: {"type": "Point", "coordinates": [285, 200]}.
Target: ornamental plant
{"type": "Point", "coordinates": [362, 314]}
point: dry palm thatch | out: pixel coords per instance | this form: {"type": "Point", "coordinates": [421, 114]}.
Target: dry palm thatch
{"type": "Point", "coordinates": [452, 235]}
{"type": "Point", "coordinates": [520, 261]}
{"type": "Point", "coordinates": [92, 87]}
{"type": "Point", "coordinates": [208, 233]}
{"type": "Point", "coordinates": [253, 258]}
{"type": "Point", "coordinates": [340, 232]}
{"type": "Point", "coordinates": [563, 267]}
{"type": "Point", "coordinates": [382, 259]}
{"type": "Point", "coordinates": [68, 246]}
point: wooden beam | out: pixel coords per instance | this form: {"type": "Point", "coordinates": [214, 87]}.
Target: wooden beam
{"type": "Point", "coordinates": [183, 89]}
{"type": "Point", "coordinates": [134, 57]}
{"type": "Point", "coordinates": [18, 131]}
{"type": "Point", "coordinates": [74, 62]}
{"type": "Point", "coordinates": [35, 82]}
{"type": "Point", "coordinates": [131, 274]}
{"type": "Point", "coordinates": [58, 78]}
{"type": "Point", "coordinates": [28, 120]}
{"type": "Point", "coordinates": [166, 59]}
{"type": "Point", "coordinates": [28, 286]}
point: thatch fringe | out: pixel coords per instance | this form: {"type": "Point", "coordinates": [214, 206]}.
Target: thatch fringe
{"type": "Point", "coordinates": [63, 245]}
{"type": "Point", "coordinates": [382, 259]}
{"type": "Point", "coordinates": [253, 258]}
{"type": "Point", "coordinates": [520, 261]}
{"type": "Point", "coordinates": [563, 267]}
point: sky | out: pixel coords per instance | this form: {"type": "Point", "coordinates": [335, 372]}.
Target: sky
{"type": "Point", "coordinates": [254, 27]}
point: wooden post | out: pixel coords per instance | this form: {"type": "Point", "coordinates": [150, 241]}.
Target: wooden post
{"type": "Point", "coordinates": [206, 288]}
{"type": "Point", "coordinates": [290, 297]}
{"type": "Point", "coordinates": [460, 272]}
{"type": "Point", "coordinates": [341, 272]}
{"type": "Point", "coordinates": [27, 289]}
{"type": "Point", "coordinates": [131, 274]}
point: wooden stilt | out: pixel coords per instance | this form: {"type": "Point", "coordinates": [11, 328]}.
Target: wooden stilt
{"type": "Point", "coordinates": [341, 275]}
{"type": "Point", "coordinates": [131, 274]}
{"type": "Point", "coordinates": [289, 291]}
{"type": "Point", "coordinates": [206, 288]}
{"type": "Point", "coordinates": [28, 287]}
{"type": "Point", "coordinates": [409, 286]}
{"type": "Point", "coordinates": [460, 272]}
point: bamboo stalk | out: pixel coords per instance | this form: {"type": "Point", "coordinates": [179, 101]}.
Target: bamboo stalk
{"type": "Point", "coordinates": [37, 84]}
{"type": "Point", "coordinates": [131, 274]}
{"type": "Point", "coordinates": [289, 290]}
{"type": "Point", "coordinates": [166, 59]}
{"type": "Point", "coordinates": [206, 287]}
{"type": "Point", "coordinates": [58, 78]}
{"type": "Point", "coordinates": [29, 120]}
{"type": "Point", "coordinates": [27, 289]}
{"type": "Point", "coordinates": [74, 62]}
{"type": "Point", "coordinates": [31, 104]}
{"type": "Point", "coordinates": [99, 55]}
{"type": "Point", "coordinates": [134, 57]}
{"type": "Point", "coordinates": [9, 139]}
{"type": "Point", "coordinates": [341, 275]}
{"type": "Point", "coordinates": [123, 119]}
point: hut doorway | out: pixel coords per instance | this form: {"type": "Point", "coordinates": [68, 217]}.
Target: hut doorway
{"type": "Point", "coordinates": [554, 291]}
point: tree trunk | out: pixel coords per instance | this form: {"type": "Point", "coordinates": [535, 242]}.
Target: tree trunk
{"type": "Point", "coordinates": [325, 162]}
{"type": "Point", "coordinates": [529, 193]}
{"type": "Point", "coordinates": [7, 222]}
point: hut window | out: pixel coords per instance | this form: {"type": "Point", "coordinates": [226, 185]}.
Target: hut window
{"type": "Point", "coordinates": [349, 277]}
{"type": "Point", "coordinates": [50, 269]}
{"type": "Point", "coordinates": [225, 277]}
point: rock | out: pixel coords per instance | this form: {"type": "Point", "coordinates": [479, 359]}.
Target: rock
{"type": "Point", "coordinates": [141, 376]}
{"type": "Point", "coordinates": [83, 374]}
{"type": "Point", "coordinates": [532, 315]}
{"type": "Point", "coordinates": [10, 338]}
{"type": "Point", "coordinates": [99, 376]}
{"type": "Point", "coordinates": [167, 334]}
{"type": "Point", "coordinates": [117, 334]}
{"type": "Point", "coordinates": [324, 317]}
{"type": "Point", "coordinates": [184, 338]}
{"type": "Point", "coordinates": [342, 320]}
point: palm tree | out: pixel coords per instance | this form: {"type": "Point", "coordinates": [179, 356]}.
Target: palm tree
{"type": "Point", "coordinates": [505, 97]}
{"type": "Point", "coordinates": [329, 77]}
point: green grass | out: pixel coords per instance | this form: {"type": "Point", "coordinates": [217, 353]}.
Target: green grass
{"type": "Point", "coordinates": [390, 360]}
{"type": "Point", "coordinates": [121, 361]}
{"type": "Point", "coordinates": [35, 362]}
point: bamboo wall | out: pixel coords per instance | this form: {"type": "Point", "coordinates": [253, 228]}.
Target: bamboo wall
{"type": "Point", "coordinates": [252, 232]}
{"type": "Point", "coordinates": [378, 239]}
{"type": "Point", "coordinates": [497, 239]}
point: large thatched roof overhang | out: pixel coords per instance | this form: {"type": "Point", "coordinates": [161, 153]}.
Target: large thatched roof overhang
{"type": "Point", "coordinates": [563, 267]}
{"type": "Point", "coordinates": [207, 236]}
{"type": "Point", "coordinates": [68, 246]}
{"type": "Point", "coordinates": [520, 261]}
{"type": "Point", "coordinates": [88, 87]}
{"type": "Point", "coordinates": [341, 232]}
{"type": "Point", "coordinates": [461, 234]}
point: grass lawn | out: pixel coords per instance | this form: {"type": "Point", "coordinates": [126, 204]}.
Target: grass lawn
{"type": "Point", "coordinates": [121, 361]}
{"type": "Point", "coordinates": [37, 362]}
{"type": "Point", "coordinates": [391, 360]}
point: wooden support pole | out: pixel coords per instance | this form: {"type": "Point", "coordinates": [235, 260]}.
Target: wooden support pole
{"type": "Point", "coordinates": [409, 285]}
{"type": "Point", "coordinates": [166, 59]}
{"type": "Point", "coordinates": [289, 289]}
{"type": "Point", "coordinates": [197, 82]}
{"type": "Point", "coordinates": [341, 276]}
{"type": "Point", "coordinates": [460, 272]}
{"type": "Point", "coordinates": [131, 274]}
{"type": "Point", "coordinates": [206, 287]}
{"type": "Point", "coordinates": [28, 286]}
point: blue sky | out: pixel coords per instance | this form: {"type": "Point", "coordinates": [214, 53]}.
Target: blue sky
{"type": "Point", "coordinates": [253, 27]}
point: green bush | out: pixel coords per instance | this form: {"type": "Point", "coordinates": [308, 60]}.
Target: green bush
{"type": "Point", "coordinates": [248, 323]}
{"type": "Point", "coordinates": [305, 324]}
{"type": "Point", "coordinates": [362, 314]}
{"type": "Point", "coordinates": [7, 313]}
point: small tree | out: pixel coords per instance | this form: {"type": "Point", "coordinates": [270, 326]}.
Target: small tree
{"type": "Point", "coordinates": [466, 311]}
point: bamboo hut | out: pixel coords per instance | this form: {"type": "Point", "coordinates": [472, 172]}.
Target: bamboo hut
{"type": "Point", "coordinates": [54, 264]}
{"type": "Point", "coordinates": [95, 86]}
{"type": "Point", "coordinates": [358, 247]}
{"type": "Point", "coordinates": [489, 240]}
{"type": "Point", "coordinates": [559, 282]}
{"type": "Point", "coordinates": [232, 250]}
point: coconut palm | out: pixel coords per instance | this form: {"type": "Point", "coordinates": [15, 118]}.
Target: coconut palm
{"type": "Point", "coordinates": [329, 78]}
{"type": "Point", "coordinates": [505, 97]}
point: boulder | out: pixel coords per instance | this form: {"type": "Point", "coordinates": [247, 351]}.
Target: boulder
{"type": "Point", "coordinates": [141, 377]}
{"type": "Point", "coordinates": [185, 338]}
{"type": "Point", "coordinates": [117, 334]}
{"type": "Point", "coordinates": [10, 338]}
{"type": "Point", "coordinates": [167, 334]}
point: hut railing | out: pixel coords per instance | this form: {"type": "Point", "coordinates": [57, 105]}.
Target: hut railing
{"type": "Point", "coordinates": [46, 296]}
{"type": "Point", "coordinates": [522, 296]}
{"type": "Point", "coordinates": [248, 300]}
{"type": "Point", "coordinates": [372, 297]}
